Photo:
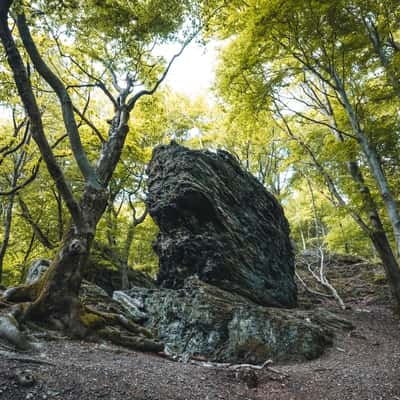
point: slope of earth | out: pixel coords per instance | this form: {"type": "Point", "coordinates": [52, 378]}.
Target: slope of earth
{"type": "Point", "coordinates": [362, 364]}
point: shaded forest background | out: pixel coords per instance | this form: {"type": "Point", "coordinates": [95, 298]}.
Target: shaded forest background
{"type": "Point", "coordinates": [306, 96]}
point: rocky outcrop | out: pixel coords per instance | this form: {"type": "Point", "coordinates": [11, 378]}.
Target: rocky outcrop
{"type": "Point", "coordinates": [130, 305]}
{"type": "Point", "coordinates": [203, 320]}
{"type": "Point", "coordinates": [219, 223]}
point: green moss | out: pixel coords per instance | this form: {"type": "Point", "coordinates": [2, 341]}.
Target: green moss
{"type": "Point", "coordinates": [379, 279]}
{"type": "Point", "coordinates": [92, 321]}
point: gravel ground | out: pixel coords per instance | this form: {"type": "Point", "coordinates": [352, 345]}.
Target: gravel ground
{"type": "Point", "coordinates": [363, 364]}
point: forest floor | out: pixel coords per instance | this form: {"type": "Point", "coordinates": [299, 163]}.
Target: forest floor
{"type": "Point", "coordinates": [362, 364]}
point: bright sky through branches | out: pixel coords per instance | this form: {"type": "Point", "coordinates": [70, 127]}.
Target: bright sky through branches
{"type": "Point", "coordinates": [193, 72]}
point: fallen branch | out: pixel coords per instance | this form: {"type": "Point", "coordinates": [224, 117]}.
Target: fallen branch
{"type": "Point", "coordinates": [308, 289]}
{"type": "Point", "coordinates": [324, 281]}
{"type": "Point", "coordinates": [232, 367]}
{"type": "Point", "coordinates": [237, 367]}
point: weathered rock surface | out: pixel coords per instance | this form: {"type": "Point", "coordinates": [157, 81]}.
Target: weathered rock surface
{"type": "Point", "coordinates": [36, 270]}
{"type": "Point", "coordinates": [130, 305]}
{"type": "Point", "coordinates": [218, 222]}
{"type": "Point", "coordinates": [203, 320]}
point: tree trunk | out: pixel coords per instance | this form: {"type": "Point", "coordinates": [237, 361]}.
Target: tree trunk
{"type": "Point", "coordinates": [56, 297]}
{"type": "Point", "coordinates": [18, 163]}
{"type": "Point", "coordinates": [376, 41]}
{"type": "Point", "coordinates": [373, 162]}
{"type": "Point", "coordinates": [382, 247]}
{"type": "Point", "coordinates": [125, 256]}
{"type": "Point", "coordinates": [6, 233]}
{"type": "Point", "coordinates": [303, 240]}
{"type": "Point", "coordinates": [377, 233]}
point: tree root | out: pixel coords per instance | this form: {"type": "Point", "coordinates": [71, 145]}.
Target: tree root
{"type": "Point", "coordinates": [131, 341]}
{"type": "Point", "coordinates": [118, 319]}
{"type": "Point", "coordinates": [22, 293]}
{"type": "Point", "coordinates": [111, 326]}
{"type": "Point", "coordinates": [119, 330]}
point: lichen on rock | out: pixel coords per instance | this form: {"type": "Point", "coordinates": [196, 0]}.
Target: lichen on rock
{"type": "Point", "coordinates": [203, 320]}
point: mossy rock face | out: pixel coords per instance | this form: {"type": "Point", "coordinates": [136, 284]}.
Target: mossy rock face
{"type": "Point", "coordinates": [92, 321]}
{"type": "Point", "coordinates": [201, 319]}
{"type": "Point", "coordinates": [379, 279]}
{"type": "Point", "coordinates": [219, 223]}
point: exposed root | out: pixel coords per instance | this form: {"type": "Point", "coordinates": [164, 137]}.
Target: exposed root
{"type": "Point", "coordinates": [22, 293]}
{"type": "Point", "coordinates": [131, 341]}
{"type": "Point", "coordinates": [119, 330]}
{"type": "Point", "coordinates": [118, 319]}
{"type": "Point", "coordinates": [111, 326]}
{"type": "Point", "coordinates": [4, 304]}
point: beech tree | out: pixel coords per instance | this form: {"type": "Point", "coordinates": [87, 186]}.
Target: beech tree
{"type": "Point", "coordinates": [315, 68]}
{"type": "Point", "coordinates": [107, 47]}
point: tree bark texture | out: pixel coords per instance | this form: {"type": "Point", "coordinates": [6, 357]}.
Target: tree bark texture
{"type": "Point", "coordinates": [373, 162]}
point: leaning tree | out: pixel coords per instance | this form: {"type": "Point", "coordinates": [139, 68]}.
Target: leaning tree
{"type": "Point", "coordinates": [72, 46]}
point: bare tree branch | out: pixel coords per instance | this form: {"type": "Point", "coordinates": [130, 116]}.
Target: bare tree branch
{"type": "Point", "coordinates": [90, 124]}
{"type": "Point", "coordinates": [26, 93]}
{"type": "Point", "coordinates": [25, 213]}
{"type": "Point", "coordinates": [148, 92]}
{"type": "Point", "coordinates": [66, 104]}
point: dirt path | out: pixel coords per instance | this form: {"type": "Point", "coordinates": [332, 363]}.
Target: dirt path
{"type": "Point", "coordinates": [362, 365]}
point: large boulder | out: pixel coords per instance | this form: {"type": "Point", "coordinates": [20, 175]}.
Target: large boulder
{"type": "Point", "coordinates": [203, 320]}
{"type": "Point", "coordinates": [219, 223]}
